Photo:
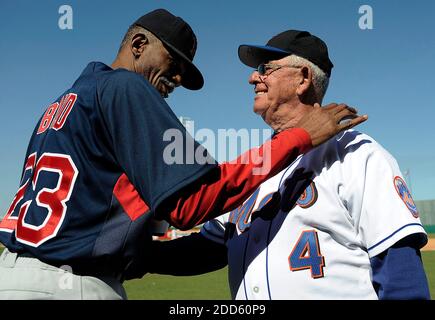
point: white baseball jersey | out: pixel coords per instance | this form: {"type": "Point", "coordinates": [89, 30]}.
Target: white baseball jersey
{"type": "Point", "coordinates": [309, 232]}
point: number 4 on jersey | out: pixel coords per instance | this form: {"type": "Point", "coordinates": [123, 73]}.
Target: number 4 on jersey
{"type": "Point", "coordinates": [306, 254]}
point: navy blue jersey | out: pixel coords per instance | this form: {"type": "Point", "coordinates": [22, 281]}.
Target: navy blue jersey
{"type": "Point", "coordinates": [94, 173]}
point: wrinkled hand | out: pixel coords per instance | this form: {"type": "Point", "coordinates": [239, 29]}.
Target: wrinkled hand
{"type": "Point", "coordinates": [322, 123]}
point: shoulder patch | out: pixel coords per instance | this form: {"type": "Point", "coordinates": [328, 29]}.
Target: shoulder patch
{"type": "Point", "coordinates": [405, 195]}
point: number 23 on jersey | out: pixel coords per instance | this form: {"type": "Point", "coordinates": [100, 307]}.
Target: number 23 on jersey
{"type": "Point", "coordinates": [53, 200]}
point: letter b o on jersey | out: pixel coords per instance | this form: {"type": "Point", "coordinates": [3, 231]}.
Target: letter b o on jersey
{"type": "Point", "coordinates": [56, 113]}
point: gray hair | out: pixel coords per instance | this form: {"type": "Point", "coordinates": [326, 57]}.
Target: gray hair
{"type": "Point", "coordinates": [320, 79]}
{"type": "Point", "coordinates": [134, 29]}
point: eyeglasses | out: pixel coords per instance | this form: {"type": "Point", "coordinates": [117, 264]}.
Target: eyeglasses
{"type": "Point", "coordinates": [263, 68]}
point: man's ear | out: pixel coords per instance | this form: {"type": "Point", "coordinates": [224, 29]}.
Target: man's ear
{"type": "Point", "coordinates": [138, 43]}
{"type": "Point", "coordinates": [305, 82]}
{"type": "Point", "coordinates": [305, 89]}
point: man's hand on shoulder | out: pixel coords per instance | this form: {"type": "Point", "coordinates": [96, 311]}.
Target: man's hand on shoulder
{"type": "Point", "coordinates": [322, 123]}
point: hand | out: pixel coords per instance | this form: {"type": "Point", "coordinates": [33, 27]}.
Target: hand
{"type": "Point", "coordinates": [322, 123]}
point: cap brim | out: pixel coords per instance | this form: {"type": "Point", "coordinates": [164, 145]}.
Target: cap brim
{"type": "Point", "coordinates": [253, 55]}
{"type": "Point", "coordinates": [192, 78]}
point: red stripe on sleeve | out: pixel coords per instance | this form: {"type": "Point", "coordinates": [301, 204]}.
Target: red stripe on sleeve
{"type": "Point", "coordinates": [233, 182]}
{"type": "Point", "coordinates": [129, 198]}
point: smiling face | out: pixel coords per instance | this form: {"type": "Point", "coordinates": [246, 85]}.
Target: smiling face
{"type": "Point", "coordinates": [161, 68]}
{"type": "Point", "coordinates": [143, 53]}
{"type": "Point", "coordinates": [278, 92]}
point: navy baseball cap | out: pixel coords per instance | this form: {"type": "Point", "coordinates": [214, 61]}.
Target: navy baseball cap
{"type": "Point", "coordinates": [300, 43]}
{"type": "Point", "coordinates": [178, 36]}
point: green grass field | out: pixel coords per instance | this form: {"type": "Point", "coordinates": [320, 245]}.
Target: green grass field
{"type": "Point", "coordinates": [213, 286]}
{"type": "Point", "coordinates": [429, 266]}
{"type": "Point", "coordinates": [210, 286]}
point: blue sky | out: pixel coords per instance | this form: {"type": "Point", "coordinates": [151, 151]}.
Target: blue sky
{"type": "Point", "coordinates": [386, 72]}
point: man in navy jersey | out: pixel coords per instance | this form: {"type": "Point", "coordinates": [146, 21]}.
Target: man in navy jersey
{"type": "Point", "coordinates": [95, 181]}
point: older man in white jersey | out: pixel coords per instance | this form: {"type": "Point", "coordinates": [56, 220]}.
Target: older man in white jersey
{"type": "Point", "coordinates": [340, 222]}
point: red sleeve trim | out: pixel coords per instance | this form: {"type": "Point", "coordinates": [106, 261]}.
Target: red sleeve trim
{"type": "Point", "coordinates": [129, 198]}
{"type": "Point", "coordinates": [304, 138]}
{"type": "Point", "coordinates": [233, 182]}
